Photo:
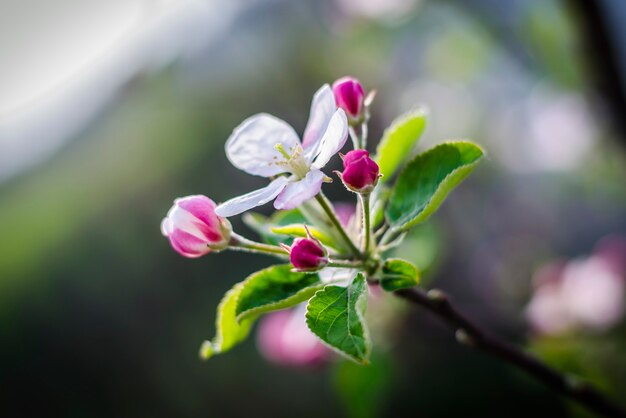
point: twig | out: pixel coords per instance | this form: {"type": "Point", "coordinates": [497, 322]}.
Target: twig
{"type": "Point", "coordinates": [468, 333]}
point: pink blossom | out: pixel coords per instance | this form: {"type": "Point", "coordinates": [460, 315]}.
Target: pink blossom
{"type": "Point", "coordinates": [193, 228]}
{"type": "Point", "coordinates": [283, 338]}
{"type": "Point", "coordinates": [345, 213]}
{"type": "Point", "coordinates": [582, 294]}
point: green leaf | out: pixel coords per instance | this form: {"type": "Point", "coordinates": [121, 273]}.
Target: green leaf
{"type": "Point", "coordinates": [398, 274]}
{"type": "Point", "coordinates": [270, 289]}
{"type": "Point", "coordinates": [398, 141]}
{"type": "Point", "coordinates": [379, 199]}
{"type": "Point", "coordinates": [274, 288]}
{"type": "Point", "coordinates": [428, 179]}
{"type": "Point", "coordinates": [229, 332]}
{"type": "Point", "coordinates": [336, 315]}
{"type": "Point", "coordinates": [297, 230]}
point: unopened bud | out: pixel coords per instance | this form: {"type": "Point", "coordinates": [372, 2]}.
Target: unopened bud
{"type": "Point", "coordinates": [349, 96]}
{"type": "Point", "coordinates": [193, 228]}
{"type": "Point", "coordinates": [360, 172]}
{"type": "Point", "coordinates": [307, 254]}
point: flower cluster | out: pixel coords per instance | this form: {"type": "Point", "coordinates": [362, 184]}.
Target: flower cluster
{"type": "Point", "coordinates": [331, 258]}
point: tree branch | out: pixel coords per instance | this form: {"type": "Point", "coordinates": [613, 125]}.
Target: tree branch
{"type": "Point", "coordinates": [468, 333]}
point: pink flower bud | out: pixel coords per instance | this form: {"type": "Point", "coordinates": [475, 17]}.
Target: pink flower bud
{"type": "Point", "coordinates": [360, 172]}
{"type": "Point", "coordinates": [307, 254]}
{"type": "Point", "coordinates": [193, 228]}
{"type": "Point", "coordinates": [284, 338]}
{"type": "Point", "coordinates": [349, 96]}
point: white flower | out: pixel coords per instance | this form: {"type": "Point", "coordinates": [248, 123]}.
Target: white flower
{"type": "Point", "coordinates": [266, 146]}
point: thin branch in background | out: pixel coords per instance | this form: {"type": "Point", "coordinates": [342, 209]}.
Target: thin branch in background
{"type": "Point", "coordinates": [469, 333]}
{"type": "Point", "coordinates": [602, 59]}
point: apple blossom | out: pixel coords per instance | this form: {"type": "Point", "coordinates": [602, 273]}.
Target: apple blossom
{"type": "Point", "coordinates": [585, 293]}
{"type": "Point", "coordinates": [283, 338]}
{"type": "Point", "coordinates": [193, 228]}
{"type": "Point", "coordinates": [266, 146]}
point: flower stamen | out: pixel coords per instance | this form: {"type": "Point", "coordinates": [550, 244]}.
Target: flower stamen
{"type": "Point", "coordinates": [295, 162]}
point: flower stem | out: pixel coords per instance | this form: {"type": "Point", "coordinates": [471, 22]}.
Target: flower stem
{"type": "Point", "coordinates": [356, 141]}
{"type": "Point", "coordinates": [358, 134]}
{"type": "Point", "coordinates": [325, 204]}
{"type": "Point", "coordinates": [365, 204]}
{"type": "Point", "coordinates": [239, 243]}
{"type": "Point", "coordinates": [470, 334]}
{"type": "Point", "coordinates": [389, 236]}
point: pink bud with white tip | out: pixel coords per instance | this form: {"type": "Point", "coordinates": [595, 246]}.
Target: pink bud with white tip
{"type": "Point", "coordinates": [194, 229]}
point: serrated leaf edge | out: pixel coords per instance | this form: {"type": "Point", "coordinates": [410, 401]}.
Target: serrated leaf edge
{"type": "Point", "coordinates": [366, 334]}
{"type": "Point", "coordinates": [282, 304]}
{"type": "Point", "coordinates": [406, 225]}
{"type": "Point", "coordinates": [209, 348]}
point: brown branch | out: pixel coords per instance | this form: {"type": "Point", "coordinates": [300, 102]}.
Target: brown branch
{"type": "Point", "coordinates": [602, 58]}
{"type": "Point", "coordinates": [468, 333]}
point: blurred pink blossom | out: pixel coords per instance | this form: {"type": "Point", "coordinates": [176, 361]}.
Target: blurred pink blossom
{"type": "Point", "coordinates": [345, 212]}
{"type": "Point", "coordinates": [283, 338]}
{"type": "Point", "coordinates": [581, 294]}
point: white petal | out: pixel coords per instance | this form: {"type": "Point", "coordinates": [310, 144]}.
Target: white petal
{"type": "Point", "coordinates": [166, 227]}
{"type": "Point", "coordinates": [322, 109]}
{"type": "Point", "coordinates": [253, 199]}
{"type": "Point", "coordinates": [251, 146]}
{"type": "Point", "coordinates": [299, 191]}
{"type": "Point", "coordinates": [337, 276]}
{"type": "Point", "coordinates": [334, 138]}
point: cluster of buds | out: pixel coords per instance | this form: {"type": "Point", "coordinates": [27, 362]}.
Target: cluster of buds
{"type": "Point", "coordinates": [196, 226]}
{"type": "Point", "coordinates": [266, 146]}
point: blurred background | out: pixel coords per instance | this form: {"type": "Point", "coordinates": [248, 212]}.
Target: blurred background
{"type": "Point", "coordinates": [110, 110]}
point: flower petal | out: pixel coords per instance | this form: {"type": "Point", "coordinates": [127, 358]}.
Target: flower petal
{"type": "Point", "coordinates": [253, 199]}
{"type": "Point", "coordinates": [299, 191]}
{"type": "Point", "coordinates": [188, 245]}
{"type": "Point", "coordinates": [201, 207]}
{"type": "Point", "coordinates": [251, 147]}
{"type": "Point", "coordinates": [334, 138]}
{"type": "Point", "coordinates": [337, 276]}
{"type": "Point", "coordinates": [322, 109]}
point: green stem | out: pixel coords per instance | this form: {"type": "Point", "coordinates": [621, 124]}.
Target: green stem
{"type": "Point", "coordinates": [365, 204]}
{"type": "Point", "coordinates": [358, 134]}
{"type": "Point", "coordinates": [388, 236]}
{"type": "Point", "coordinates": [239, 243]}
{"type": "Point", "coordinates": [325, 204]}
{"type": "Point", "coordinates": [364, 135]}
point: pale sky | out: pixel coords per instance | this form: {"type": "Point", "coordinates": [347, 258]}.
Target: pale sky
{"type": "Point", "coordinates": [62, 60]}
